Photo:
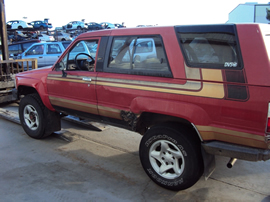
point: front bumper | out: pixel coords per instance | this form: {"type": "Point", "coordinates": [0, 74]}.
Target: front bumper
{"type": "Point", "coordinates": [15, 94]}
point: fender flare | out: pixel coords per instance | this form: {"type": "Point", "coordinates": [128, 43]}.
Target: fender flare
{"type": "Point", "coordinates": [40, 87]}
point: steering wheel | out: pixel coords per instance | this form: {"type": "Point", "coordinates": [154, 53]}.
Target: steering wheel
{"type": "Point", "coordinates": [85, 65]}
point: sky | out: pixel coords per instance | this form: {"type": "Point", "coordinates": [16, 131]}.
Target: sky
{"type": "Point", "coordinates": [131, 12]}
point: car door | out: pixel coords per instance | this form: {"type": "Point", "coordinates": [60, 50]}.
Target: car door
{"type": "Point", "coordinates": [124, 79]}
{"type": "Point", "coordinates": [72, 83]}
{"type": "Point", "coordinates": [53, 51]}
{"type": "Point", "coordinates": [36, 51]}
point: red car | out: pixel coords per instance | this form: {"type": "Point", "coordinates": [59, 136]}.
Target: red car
{"type": "Point", "coordinates": [192, 92]}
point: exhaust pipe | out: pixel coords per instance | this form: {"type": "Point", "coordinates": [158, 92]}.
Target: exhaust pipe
{"type": "Point", "coordinates": [231, 162]}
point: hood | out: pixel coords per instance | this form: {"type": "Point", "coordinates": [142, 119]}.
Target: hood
{"type": "Point", "coordinates": [34, 71]}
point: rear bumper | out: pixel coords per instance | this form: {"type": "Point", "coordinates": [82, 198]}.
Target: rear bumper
{"type": "Point", "coordinates": [236, 151]}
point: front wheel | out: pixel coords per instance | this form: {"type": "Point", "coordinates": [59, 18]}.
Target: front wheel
{"type": "Point", "coordinates": [31, 113]}
{"type": "Point", "coordinates": [171, 157]}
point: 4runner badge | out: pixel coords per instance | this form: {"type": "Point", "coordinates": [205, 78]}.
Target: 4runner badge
{"type": "Point", "coordinates": [230, 64]}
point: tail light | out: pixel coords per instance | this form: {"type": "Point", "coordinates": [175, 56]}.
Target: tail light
{"type": "Point", "coordinates": [268, 120]}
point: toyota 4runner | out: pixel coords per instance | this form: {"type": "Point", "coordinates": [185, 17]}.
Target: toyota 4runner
{"type": "Point", "coordinates": [192, 92]}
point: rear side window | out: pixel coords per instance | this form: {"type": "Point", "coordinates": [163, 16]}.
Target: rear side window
{"type": "Point", "coordinates": [53, 49]}
{"type": "Point", "coordinates": [210, 46]}
{"type": "Point", "coordinates": [14, 49]}
{"type": "Point", "coordinates": [142, 55]}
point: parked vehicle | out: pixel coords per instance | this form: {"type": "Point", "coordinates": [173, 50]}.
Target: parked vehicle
{"type": "Point", "coordinates": [45, 37]}
{"type": "Point", "coordinates": [17, 37]}
{"type": "Point", "coordinates": [19, 47]}
{"type": "Point", "coordinates": [193, 92]}
{"type": "Point", "coordinates": [38, 24]}
{"type": "Point", "coordinates": [75, 25]}
{"type": "Point", "coordinates": [46, 53]}
{"type": "Point", "coordinates": [119, 26]}
{"type": "Point", "coordinates": [107, 25]}
{"type": "Point", "coordinates": [94, 26]}
{"type": "Point", "coordinates": [61, 36]}
{"type": "Point", "coordinates": [18, 24]}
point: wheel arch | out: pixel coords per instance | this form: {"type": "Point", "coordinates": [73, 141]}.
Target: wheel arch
{"type": "Point", "coordinates": [24, 90]}
{"type": "Point", "coordinates": [149, 119]}
{"type": "Point", "coordinates": [152, 111]}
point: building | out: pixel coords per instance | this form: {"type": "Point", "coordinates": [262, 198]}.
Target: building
{"type": "Point", "coordinates": [250, 12]}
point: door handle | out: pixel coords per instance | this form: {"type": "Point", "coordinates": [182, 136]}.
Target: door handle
{"type": "Point", "coordinates": [86, 79]}
{"type": "Point", "coordinates": [40, 57]}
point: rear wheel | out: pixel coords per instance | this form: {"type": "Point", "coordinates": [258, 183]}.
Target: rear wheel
{"type": "Point", "coordinates": [171, 157]}
{"type": "Point", "coordinates": [32, 116]}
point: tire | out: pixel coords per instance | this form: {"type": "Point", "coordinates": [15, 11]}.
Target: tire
{"type": "Point", "coordinates": [79, 27]}
{"type": "Point", "coordinates": [171, 157]}
{"type": "Point", "coordinates": [31, 113]}
{"type": "Point", "coordinates": [20, 27]}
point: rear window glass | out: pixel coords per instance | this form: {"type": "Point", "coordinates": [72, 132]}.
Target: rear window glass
{"type": "Point", "coordinates": [210, 49]}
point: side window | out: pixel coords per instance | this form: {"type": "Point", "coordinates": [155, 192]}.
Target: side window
{"type": "Point", "coordinates": [210, 50]}
{"type": "Point", "coordinates": [26, 45]}
{"type": "Point", "coordinates": [36, 50]}
{"type": "Point", "coordinates": [80, 57]}
{"type": "Point", "coordinates": [53, 49]}
{"type": "Point", "coordinates": [143, 55]}
{"type": "Point", "coordinates": [14, 49]}
{"type": "Point", "coordinates": [66, 44]}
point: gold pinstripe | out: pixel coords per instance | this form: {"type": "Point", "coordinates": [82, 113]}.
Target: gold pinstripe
{"type": "Point", "coordinates": [193, 88]}
{"type": "Point", "coordinates": [236, 137]}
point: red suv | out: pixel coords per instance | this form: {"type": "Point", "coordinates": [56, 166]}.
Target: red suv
{"type": "Point", "coordinates": [192, 92]}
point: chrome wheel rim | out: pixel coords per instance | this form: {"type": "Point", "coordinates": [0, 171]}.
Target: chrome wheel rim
{"type": "Point", "coordinates": [31, 117]}
{"type": "Point", "coordinates": [166, 159]}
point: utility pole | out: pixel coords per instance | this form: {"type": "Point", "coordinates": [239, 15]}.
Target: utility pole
{"type": "Point", "coordinates": [3, 32]}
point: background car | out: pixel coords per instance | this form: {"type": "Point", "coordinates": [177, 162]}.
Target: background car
{"type": "Point", "coordinates": [18, 48]}
{"type": "Point", "coordinates": [45, 37]}
{"type": "Point", "coordinates": [119, 26]}
{"type": "Point", "coordinates": [94, 26]}
{"type": "Point", "coordinates": [107, 25]}
{"type": "Point", "coordinates": [61, 36]}
{"type": "Point", "coordinates": [75, 25]}
{"type": "Point", "coordinates": [18, 24]}
{"type": "Point", "coordinates": [16, 37]}
{"type": "Point", "coordinates": [46, 53]}
{"type": "Point", "coordinates": [41, 25]}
